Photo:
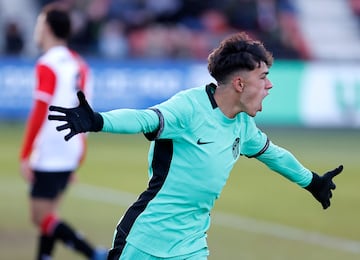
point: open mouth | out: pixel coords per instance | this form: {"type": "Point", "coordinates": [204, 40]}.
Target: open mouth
{"type": "Point", "coordinates": [261, 103]}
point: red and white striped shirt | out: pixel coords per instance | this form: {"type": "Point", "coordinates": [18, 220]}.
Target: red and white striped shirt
{"type": "Point", "coordinates": [60, 73]}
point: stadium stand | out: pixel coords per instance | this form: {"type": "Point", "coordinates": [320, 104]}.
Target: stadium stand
{"type": "Point", "coordinates": [12, 26]}
{"type": "Point", "coordinates": [183, 29]}
{"type": "Point", "coordinates": [331, 28]}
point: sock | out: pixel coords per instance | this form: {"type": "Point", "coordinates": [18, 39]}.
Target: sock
{"type": "Point", "coordinates": [45, 247]}
{"type": "Point", "coordinates": [48, 224]}
{"type": "Point", "coordinates": [72, 239]}
{"type": "Point", "coordinates": [46, 240]}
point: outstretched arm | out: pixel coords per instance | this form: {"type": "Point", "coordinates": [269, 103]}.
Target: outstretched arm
{"type": "Point", "coordinates": [321, 186]}
{"type": "Point", "coordinates": [283, 162]}
{"type": "Point", "coordinates": [80, 119]}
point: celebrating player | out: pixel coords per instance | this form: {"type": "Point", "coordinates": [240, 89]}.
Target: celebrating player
{"type": "Point", "coordinates": [47, 161]}
{"type": "Point", "coordinates": [196, 138]}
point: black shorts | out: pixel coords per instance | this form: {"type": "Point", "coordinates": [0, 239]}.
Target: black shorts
{"type": "Point", "coordinates": [49, 185]}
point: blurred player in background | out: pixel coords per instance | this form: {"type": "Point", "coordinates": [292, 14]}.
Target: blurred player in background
{"type": "Point", "coordinates": [48, 163]}
{"type": "Point", "coordinates": [197, 136]}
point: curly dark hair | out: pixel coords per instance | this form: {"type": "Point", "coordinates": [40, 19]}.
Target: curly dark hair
{"type": "Point", "coordinates": [237, 52]}
{"type": "Point", "coordinates": [58, 18]}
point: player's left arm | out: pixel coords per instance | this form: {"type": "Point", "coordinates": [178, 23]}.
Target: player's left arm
{"type": "Point", "coordinates": [284, 162]}
{"type": "Point", "coordinates": [256, 144]}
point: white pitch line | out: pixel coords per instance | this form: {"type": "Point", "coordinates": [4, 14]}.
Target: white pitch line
{"type": "Point", "coordinates": [228, 220]}
{"type": "Point", "coordinates": [101, 194]}
{"type": "Point", "coordinates": [124, 199]}
{"type": "Point", "coordinates": [285, 232]}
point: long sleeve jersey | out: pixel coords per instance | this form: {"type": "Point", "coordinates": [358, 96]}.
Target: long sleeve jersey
{"type": "Point", "coordinates": [194, 147]}
{"type": "Point", "coordinates": [60, 73]}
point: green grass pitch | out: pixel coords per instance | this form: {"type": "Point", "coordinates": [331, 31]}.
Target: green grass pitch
{"type": "Point", "coordinates": [259, 215]}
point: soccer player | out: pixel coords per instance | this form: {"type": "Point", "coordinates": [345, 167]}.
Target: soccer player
{"type": "Point", "coordinates": [47, 161]}
{"type": "Point", "coordinates": [196, 138]}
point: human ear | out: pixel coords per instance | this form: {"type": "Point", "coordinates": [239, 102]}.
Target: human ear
{"type": "Point", "coordinates": [238, 83]}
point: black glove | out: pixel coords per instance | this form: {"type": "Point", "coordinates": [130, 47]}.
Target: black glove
{"type": "Point", "coordinates": [321, 186]}
{"type": "Point", "coordinates": [79, 119]}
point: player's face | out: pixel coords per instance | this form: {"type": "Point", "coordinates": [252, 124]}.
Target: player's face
{"type": "Point", "coordinates": [39, 30]}
{"type": "Point", "coordinates": [256, 87]}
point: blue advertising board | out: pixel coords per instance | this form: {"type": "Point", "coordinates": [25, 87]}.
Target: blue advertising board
{"type": "Point", "coordinates": [130, 84]}
{"type": "Point", "coordinates": [303, 94]}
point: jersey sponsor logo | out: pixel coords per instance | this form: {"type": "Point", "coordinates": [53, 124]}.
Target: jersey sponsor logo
{"type": "Point", "coordinates": [199, 142]}
{"type": "Point", "coordinates": [235, 148]}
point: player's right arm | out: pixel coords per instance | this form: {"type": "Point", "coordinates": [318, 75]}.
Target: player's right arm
{"type": "Point", "coordinates": [83, 119]}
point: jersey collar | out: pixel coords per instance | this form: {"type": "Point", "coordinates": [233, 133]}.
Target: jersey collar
{"type": "Point", "coordinates": [210, 90]}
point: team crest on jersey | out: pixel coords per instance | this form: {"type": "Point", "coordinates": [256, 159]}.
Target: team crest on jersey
{"type": "Point", "coordinates": [236, 148]}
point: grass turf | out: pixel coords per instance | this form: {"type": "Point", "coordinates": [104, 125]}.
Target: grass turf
{"type": "Point", "coordinates": [116, 165]}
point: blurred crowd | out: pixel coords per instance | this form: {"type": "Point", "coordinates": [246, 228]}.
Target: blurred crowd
{"type": "Point", "coordinates": [177, 29]}
{"type": "Point", "coordinates": [355, 7]}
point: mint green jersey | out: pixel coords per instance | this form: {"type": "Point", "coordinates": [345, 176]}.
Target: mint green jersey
{"type": "Point", "coordinates": [193, 151]}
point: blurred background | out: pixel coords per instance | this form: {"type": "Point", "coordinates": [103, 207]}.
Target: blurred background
{"type": "Point", "coordinates": [141, 52]}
